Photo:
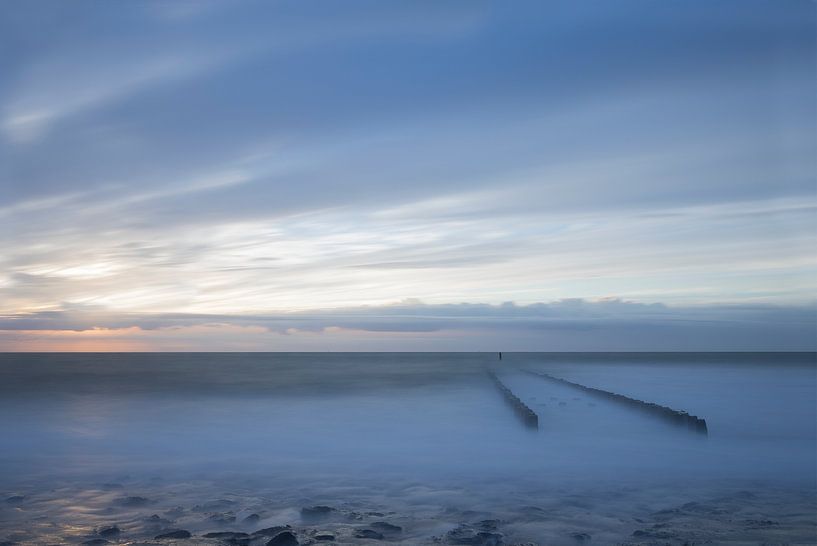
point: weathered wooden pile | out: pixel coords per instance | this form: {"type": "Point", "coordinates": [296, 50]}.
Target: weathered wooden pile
{"type": "Point", "coordinates": [527, 415]}
{"type": "Point", "coordinates": [675, 417]}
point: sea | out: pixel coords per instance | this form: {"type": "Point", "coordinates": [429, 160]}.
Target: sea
{"type": "Point", "coordinates": [408, 448]}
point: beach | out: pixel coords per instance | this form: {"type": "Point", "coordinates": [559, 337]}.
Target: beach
{"type": "Point", "coordinates": [399, 448]}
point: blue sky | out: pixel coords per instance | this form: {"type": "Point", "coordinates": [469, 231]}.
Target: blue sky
{"type": "Point", "coordinates": [326, 175]}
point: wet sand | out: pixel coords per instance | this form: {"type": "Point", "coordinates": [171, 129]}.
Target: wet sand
{"type": "Point", "coordinates": [136, 512]}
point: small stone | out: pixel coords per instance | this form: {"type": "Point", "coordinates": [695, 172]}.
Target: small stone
{"type": "Point", "coordinates": [466, 535]}
{"type": "Point", "coordinates": [110, 531]}
{"type": "Point", "coordinates": [313, 513]}
{"type": "Point", "coordinates": [155, 520]}
{"type": "Point", "coordinates": [287, 538]}
{"type": "Point", "coordinates": [271, 531]}
{"type": "Point", "coordinates": [387, 527]}
{"type": "Point", "coordinates": [227, 535]}
{"type": "Point", "coordinates": [368, 533]}
{"type": "Point", "coordinates": [176, 533]}
{"type": "Point", "coordinates": [252, 518]}
{"type": "Point", "coordinates": [325, 537]}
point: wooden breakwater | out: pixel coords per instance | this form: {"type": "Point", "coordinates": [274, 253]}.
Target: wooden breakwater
{"type": "Point", "coordinates": [527, 415]}
{"type": "Point", "coordinates": [675, 417]}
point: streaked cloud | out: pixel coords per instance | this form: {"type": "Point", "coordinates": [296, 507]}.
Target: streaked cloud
{"type": "Point", "coordinates": [244, 159]}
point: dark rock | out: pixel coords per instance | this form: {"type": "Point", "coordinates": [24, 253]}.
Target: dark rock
{"type": "Point", "coordinates": [110, 531]}
{"type": "Point", "coordinates": [489, 524]}
{"type": "Point", "coordinates": [176, 533]}
{"type": "Point", "coordinates": [132, 502]}
{"type": "Point", "coordinates": [157, 520]}
{"type": "Point", "coordinates": [232, 538]}
{"type": "Point", "coordinates": [368, 533]}
{"type": "Point", "coordinates": [581, 537]}
{"type": "Point", "coordinates": [386, 527]}
{"type": "Point", "coordinates": [324, 537]}
{"type": "Point", "coordinates": [466, 535]}
{"type": "Point", "coordinates": [287, 538]}
{"type": "Point", "coordinates": [314, 513]}
{"type": "Point", "coordinates": [252, 518]}
{"type": "Point", "coordinates": [226, 535]}
{"type": "Point", "coordinates": [96, 542]}
{"type": "Point", "coordinates": [15, 499]}
{"type": "Point", "coordinates": [271, 531]}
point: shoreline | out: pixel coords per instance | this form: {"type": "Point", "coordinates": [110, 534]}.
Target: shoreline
{"type": "Point", "coordinates": [152, 512]}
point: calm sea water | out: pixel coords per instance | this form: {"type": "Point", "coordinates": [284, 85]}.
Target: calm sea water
{"type": "Point", "coordinates": [326, 427]}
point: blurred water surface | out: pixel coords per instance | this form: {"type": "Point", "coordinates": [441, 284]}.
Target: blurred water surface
{"type": "Point", "coordinates": [88, 440]}
{"type": "Point", "coordinates": [423, 415]}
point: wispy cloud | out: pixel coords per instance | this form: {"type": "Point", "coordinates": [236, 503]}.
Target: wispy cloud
{"type": "Point", "coordinates": [60, 89]}
{"type": "Point", "coordinates": [236, 158]}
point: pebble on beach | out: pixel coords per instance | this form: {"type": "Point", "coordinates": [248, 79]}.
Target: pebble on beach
{"type": "Point", "coordinates": [287, 538]}
{"type": "Point", "coordinates": [176, 533]}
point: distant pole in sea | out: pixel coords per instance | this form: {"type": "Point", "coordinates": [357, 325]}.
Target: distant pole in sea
{"type": "Point", "coordinates": [500, 355]}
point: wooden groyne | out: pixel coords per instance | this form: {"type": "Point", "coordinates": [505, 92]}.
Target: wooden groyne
{"type": "Point", "coordinates": [527, 415]}
{"type": "Point", "coordinates": [675, 417]}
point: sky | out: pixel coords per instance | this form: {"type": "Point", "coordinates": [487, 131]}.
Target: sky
{"type": "Point", "coordinates": [369, 175]}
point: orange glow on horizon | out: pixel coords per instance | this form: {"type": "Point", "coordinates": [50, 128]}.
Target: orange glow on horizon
{"type": "Point", "coordinates": [82, 341]}
{"type": "Point", "coordinates": [202, 337]}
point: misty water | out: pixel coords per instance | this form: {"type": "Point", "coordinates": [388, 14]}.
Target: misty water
{"type": "Point", "coordinates": [424, 441]}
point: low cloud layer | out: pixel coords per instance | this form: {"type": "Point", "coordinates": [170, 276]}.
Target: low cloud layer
{"type": "Point", "coordinates": [566, 325]}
